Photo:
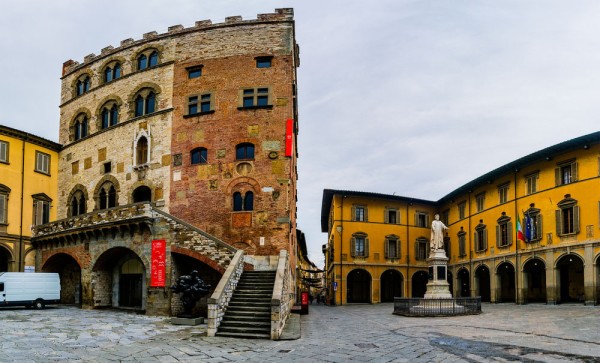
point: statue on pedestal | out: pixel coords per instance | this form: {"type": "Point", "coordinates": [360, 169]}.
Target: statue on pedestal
{"type": "Point", "coordinates": [437, 234]}
{"type": "Point", "coordinates": [192, 288]}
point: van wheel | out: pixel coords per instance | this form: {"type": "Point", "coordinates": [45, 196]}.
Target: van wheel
{"type": "Point", "coordinates": [39, 304]}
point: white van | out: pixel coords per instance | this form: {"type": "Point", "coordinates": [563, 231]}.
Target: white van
{"type": "Point", "coordinates": [29, 289]}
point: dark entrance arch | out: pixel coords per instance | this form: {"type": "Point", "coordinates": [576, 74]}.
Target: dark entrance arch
{"type": "Point", "coordinates": [506, 282]}
{"type": "Point", "coordinates": [534, 273]}
{"type": "Point", "coordinates": [450, 282]}
{"type": "Point", "coordinates": [5, 258]}
{"type": "Point", "coordinates": [120, 279]}
{"type": "Point", "coordinates": [482, 278]}
{"type": "Point", "coordinates": [464, 284]}
{"type": "Point", "coordinates": [391, 285]}
{"type": "Point", "coordinates": [570, 279]}
{"type": "Point", "coordinates": [419, 283]}
{"type": "Point", "coordinates": [184, 265]}
{"type": "Point", "coordinates": [359, 286]}
{"type": "Point", "coordinates": [142, 194]}
{"type": "Point", "coordinates": [69, 272]}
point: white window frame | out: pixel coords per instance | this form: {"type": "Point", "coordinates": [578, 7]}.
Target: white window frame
{"type": "Point", "coordinates": [42, 162]}
{"type": "Point", "coordinates": [4, 151]}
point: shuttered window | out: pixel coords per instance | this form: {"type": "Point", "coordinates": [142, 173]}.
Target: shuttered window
{"type": "Point", "coordinates": [360, 213]}
{"type": "Point", "coordinates": [42, 162]}
{"type": "Point", "coordinates": [566, 173]}
{"type": "Point", "coordinates": [392, 247]}
{"type": "Point", "coordinates": [3, 152]}
{"type": "Point", "coordinates": [391, 216]}
{"type": "Point", "coordinates": [504, 232]}
{"type": "Point", "coordinates": [359, 245]}
{"type": "Point", "coordinates": [567, 217]}
{"type": "Point", "coordinates": [462, 244]}
{"type": "Point", "coordinates": [422, 219]}
{"type": "Point", "coordinates": [421, 249]}
{"type": "Point", "coordinates": [3, 208]}
{"type": "Point", "coordinates": [480, 238]}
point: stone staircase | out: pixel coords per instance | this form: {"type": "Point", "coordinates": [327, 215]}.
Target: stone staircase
{"type": "Point", "coordinates": [248, 313]}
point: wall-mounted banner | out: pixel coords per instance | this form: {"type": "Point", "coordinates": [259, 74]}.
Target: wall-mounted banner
{"type": "Point", "coordinates": [158, 271]}
{"type": "Point", "coordinates": [289, 137]}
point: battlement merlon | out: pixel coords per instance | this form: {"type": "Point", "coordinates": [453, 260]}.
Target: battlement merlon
{"type": "Point", "coordinates": [283, 14]}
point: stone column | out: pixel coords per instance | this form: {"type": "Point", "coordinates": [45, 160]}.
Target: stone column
{"type": "Point", "coordinates": [438, 287]}
{"type": "Point", "coordinates": [495, 284]}
{"type": "Point", "coordinates": [588, 275]}
{"type": "Point", "coordinates": [551, 283]}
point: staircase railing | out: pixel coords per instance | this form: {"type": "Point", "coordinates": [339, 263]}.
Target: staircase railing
{"type": "Point", "coordinates": [282, 296]}
{"type": "Point", "coordinates": [219, 300]}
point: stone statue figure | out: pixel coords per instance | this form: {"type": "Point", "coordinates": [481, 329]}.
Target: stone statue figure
{"type": "Point", "coordinates": [192, 288]}
{"type": "Point", "coordinates": [437, 234]}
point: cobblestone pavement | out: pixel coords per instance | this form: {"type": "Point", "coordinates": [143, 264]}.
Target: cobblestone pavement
{"type": "Point", "coordinates": [354, 333]}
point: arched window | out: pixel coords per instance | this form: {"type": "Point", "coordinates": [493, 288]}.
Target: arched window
{"type": "Point", "coordinates": [107, 196]}
{"type": "Point", "coordinates": [142, 194]}
{"type": "Point", "coordinates": [199, 156]}
{"type": "Point", "coordinates": [110, 114]}
{"type": "Point", "coordinates": [153, 59]}
{"type": "Point", "coordinates": [244, 151]}
{"type": "Point", "coordinates": [145, 103]}
{"type": "Point", "coordinates": [80, 127]}
{"type": "Point", "coordinates": [112, 72]}
{"type": "Point", "coordinates": [243, 202]}
{"type": "Point", "coordinates": [141, 151]}
{"type": "Point", "coordinates": [77, 204]}
{"type": "Point", "coordinates": [142, 62]}
{"type": "Point", "coordinates": [82, 85]}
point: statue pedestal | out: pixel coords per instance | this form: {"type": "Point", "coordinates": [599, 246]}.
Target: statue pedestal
{"type": "Point", "coordinates": [186, 321]}
{"type": "Point", "coordinates": [438, 286]}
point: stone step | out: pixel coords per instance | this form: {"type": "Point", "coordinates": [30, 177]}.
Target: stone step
{"type": "Point", "coordinates": [243, 315]}
{"type": "Point", "coordinates": [250, 324]}
{"type": "Point", "coordinates": [245, 329]}
{"type": "Point", "coordinates": [242, 305]}
{"type": "Point", "coordinates": [244, 335]}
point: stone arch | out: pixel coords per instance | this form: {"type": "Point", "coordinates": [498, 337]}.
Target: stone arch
{"type": "Point", "coordinates": [7, 257]}
{"type": "Point", "coordinates": [463, 278]}
{"type": "Point", "coordinates": [570, 279]}
{"type": "Point", "coordinates": [147, 50]}
{"type": "Point", "coordinates": [142, 133]}
{"type": "Point", "coordinates": [419, 281]}
{"type": "Point", "coordinates": [116, 287]}
{"type": "Point", "coordinates": [534, 280]}
{"type": "Point", "coordinates": [80, 75]}
{"type": "Point", "coordinates": [254, 185]}
{"type": "Point", "coordinates": [483, 282]}
{"type": "Point", "coordinates": [505, 277]}
{"type": "Point", "coordinates": [111, 60]}
{"type": "Point", "coordinates": [101, 182]}
{"type": "Point", "coordinates": [69, 270]}
{"type": "Point", "coordinates": [200, 257]}
{"type": "Point", "coordinates": [77, 116]}
{"type": "Point", "coordinates": [74, 256]}
{"type": "Point", "coordinates": [358, 286]}
{"type": "Point", "coordinates": [391, 285]}
{"type": "Point", "coordinates": [75, 189]}
{"type": "Point", "coordinates": [143, 89]}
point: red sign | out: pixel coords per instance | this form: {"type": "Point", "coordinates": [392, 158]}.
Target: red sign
{"type": "Point", "coordinates": [158, 271]}
{"type": "Point", "coordinates": [289, 137]}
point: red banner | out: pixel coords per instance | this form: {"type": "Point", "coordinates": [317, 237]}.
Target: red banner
{"type": "Point", "coordinates": [289, 137]}
{"type": "Point", "coordinates": [158, 268]}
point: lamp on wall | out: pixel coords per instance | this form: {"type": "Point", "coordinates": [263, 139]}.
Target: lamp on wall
{"type": "Point", "coordinates": [338, 229]}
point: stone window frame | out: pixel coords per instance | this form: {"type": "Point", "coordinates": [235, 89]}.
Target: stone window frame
{"type": "Point", "coordinates": [4, 197]}
{"type": "Point", "coordinates": [198, 68]}
{"type": "Point", "coordinates": [108, 106]}
{"type": "Point", "coordinates": [462, 209]}
{"type": "Point", "coordinates": [82, 84]}
{"type": "Point", "coordinates": [360, 213]}
{"type": "Point", "coordinates": [243, 201]}
{"type": "Point", "coordinates": [566, 172]}
{"type": "Point", "coordinates": [112, 65]}
{"type": "Point", "coordinates": [504, 231]}
{"type": "Point", "coordinates": [141, 160]}
{"type": "Point", "coordinates": [4, 152]}
{"type": "Point", "coordinates": [422, 219]}
{"type": "Point", "coordinates": [389, 212]}
{"type": "Point", "coordinates": [503, 192]}
{"type": "Point", "coordinates": [255, 94]}
{"type": "Point", "coordinates": [422, 247]}
{"type": "Point", "coordinates": [199, 100]}
{"type": "Point", "coordinates": [481, 237]}
{"type": "Point", "coordinates": [358, 240]}
{"type": "Point", "coordinates": [42, 162]}
{"type": "Point", "coordinates": [143, 90]}
{"type": "Point", "coordinates": [77, 129]}
{"type": "Point", "coordinates": [531, 182]}
{"type": "Point", "coordinates": [80, 195]}
{"type": "Point", "coordinates": [245, 145]}
{"type": "Point", "coordinates": [199, 149]}
{"type": "Point", "coordinates": [535, 215]}
{"type": "Point", "coordinates": [104, 184]}
{"type": "Point", "coordinates": [462, 243]}
{"type": "Point", "coordinates": [568, 213]}
{"type": "Point", "coordinates": [261, 61]}
{"type": "Point", "coordinates": [480, 202]}
{"type": "Point", "coordinates": [41, 209]}
{"type": "Point", "coordinates": [147, 52]}
{"type": "Point", "coordinates": [387, 248]}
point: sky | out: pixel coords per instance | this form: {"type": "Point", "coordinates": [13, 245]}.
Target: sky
{"type": "Point", "coordinates": [406, 97]}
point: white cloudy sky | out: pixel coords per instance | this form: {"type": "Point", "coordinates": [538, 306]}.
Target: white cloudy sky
{"type": "Point", "coordinates": [395, 96]}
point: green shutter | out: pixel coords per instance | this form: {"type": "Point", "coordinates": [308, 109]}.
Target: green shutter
{"type": "Point", "coordinates": [366, 247]}
{"type": "Point", "coordinates": [576, 219]}
{"type": "Point", "coordinates": [386, 216]}
{"type": "Point", "coordinates": [539, 229]}
{"type": "Point", "coordinates": [427, 220]}
{"type": "Point", "coordinates": [557, 176]}
{"type": "Point", "coordinates": [417, 219]}
{"type": "Point", "coordinates": [574, 172]}
{"type": "Point", "coordinates": [558, 222]}
{"type": "Point", "coordinates": [416, 253]}
{"type": "Point", "coordinates": [353, 247]}
{"type": "Point", "coordinates": [366, 214]}
{"type": "Point", "coordinates": [476, 235]}
{"type": "Point", "coordinates": [509, 227]}
{"type": "Point", "coordinates": [397, 248]}
{"type": "Point", "coordinates": [386, 248]}
{"type": "Point", "coordinates": [498, 237]}
{"type": "Point", "coordinates": [485, 239]}
{"type": "Point", "coordinates": [353, 213]}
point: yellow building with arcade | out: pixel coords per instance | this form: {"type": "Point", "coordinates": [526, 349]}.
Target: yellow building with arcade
{"type": "Point", "coordinates": [28, 191]}
{"type": "Point", "coordinates": [378, 244]}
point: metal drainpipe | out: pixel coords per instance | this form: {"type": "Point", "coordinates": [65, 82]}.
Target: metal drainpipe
{"type": "Point", "coordinates": [516, 247]}
{"type": "Point", "coordinates": [341, 252]}
{"type": "Point", "coordinates": [472, 275]}
{"type": "Point", "coordinates": [407, 248]}
{"type": "Point", "coordinates": [20, 262]}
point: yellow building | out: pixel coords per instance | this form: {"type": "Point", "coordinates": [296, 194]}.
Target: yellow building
{"type": "Point", "coordinates": [378, 243]}
{"type": "Point", "coordinates": [28, 189]}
